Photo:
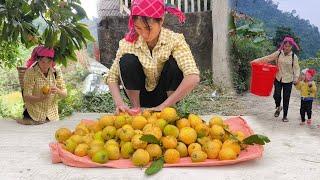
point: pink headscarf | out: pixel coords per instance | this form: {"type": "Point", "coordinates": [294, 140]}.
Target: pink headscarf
{"type": "Point", "coordinates": [291, 41]}
{"type": "Point", "coordinates": [149, 8]}
{"type": "Point", "coordinates": [40, 51]}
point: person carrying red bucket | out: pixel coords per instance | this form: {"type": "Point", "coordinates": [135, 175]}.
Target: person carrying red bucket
{"type": "Point", "coordinates": [283, 75]}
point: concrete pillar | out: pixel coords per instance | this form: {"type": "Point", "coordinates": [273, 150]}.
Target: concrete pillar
{"type": "Point", "coordinates": [220, 56]}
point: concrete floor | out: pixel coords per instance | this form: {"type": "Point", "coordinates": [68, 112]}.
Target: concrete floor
{"type": "Point", "coordinates": [293, 153]}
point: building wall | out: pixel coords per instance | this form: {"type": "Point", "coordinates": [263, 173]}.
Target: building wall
{"type": "Point", "coordinates": [197, 31]}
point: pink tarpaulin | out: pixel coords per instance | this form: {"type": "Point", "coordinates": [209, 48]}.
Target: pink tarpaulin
{"type": "Point", "coordinates": [59, 155]}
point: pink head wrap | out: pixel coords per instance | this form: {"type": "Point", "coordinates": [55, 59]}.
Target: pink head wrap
{"type": "Point", "coordinates": [149, 8]}
{"type": "Point", "coordinates": [309, 74]}
{"type": "Point", "coordinates": [40, 51]}
{"type": "Point", "coordinates": [289, 40]}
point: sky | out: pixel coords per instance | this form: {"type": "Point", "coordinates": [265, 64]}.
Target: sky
{"type": "Point", "coordinates": [90, 6]}
{"type": "Point", "coordinates": [306, 9]}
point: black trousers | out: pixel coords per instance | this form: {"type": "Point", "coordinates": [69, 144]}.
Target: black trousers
{"type": "Point", "coordinates": [27, 115]}
{"type": "Point", "coordinates": [278, 86]}
{"type": "Point", "coordinates": [133, 78]}
{"type": "Point", "coordinates": [306, 107]}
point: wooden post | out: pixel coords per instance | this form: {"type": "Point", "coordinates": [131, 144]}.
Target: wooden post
{"type": "Point", "coordinates": [198, 5]}
{"type": "Point", "coordinates": [220, 57]}
{"type": "Point", "coordinates": [185, 6]}
{"type": "Point", "coordinates": [205, 5]}
{"type": "Point", "coordinates": [192, 5]}
{"type": "Point", "coordinates": [179, 4]}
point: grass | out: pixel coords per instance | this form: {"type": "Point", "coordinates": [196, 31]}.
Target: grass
{"type": "Point", "coordinates": [201, 101]}
{"type": "Point", "coordinates": [11, 105]}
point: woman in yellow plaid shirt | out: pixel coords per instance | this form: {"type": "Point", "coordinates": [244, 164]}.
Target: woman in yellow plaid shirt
{"type": "Point", "coordinates": [155, 65]}
{"type": "Point", "coordinates": [43, 86]}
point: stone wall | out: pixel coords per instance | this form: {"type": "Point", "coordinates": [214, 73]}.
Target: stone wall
{"type": "Point", "coordinates": [197, 31]}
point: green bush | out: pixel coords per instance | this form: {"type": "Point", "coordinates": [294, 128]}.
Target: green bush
{"type": "Point", "coordinates": [72, 103]}
{"type": "Point", "coordinates": [11, 105]}
{"type": "Point", "coordinates": [242, 51]}
{"type": "Point", "coordinates": [8, 81]}
{"type": "Point", "coordinates": [94, 102]}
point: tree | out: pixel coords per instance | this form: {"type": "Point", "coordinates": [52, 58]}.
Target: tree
{"type": "Point", "coordinates": [247, 41]}
{"type": "Point", "coordinates": [9, 54]}
{"type": "Point", "coordinates": [62, 29]}
{"type": "Point", "coordinates": [318, 54]}
{"type": "Point", "coordinates": [282, 32]}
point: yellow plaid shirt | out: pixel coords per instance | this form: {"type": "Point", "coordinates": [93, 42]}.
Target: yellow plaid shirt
{"type": "Point", "coordinates": [169, 43]}
{"type": "Point", "coordinates": [34, 80]}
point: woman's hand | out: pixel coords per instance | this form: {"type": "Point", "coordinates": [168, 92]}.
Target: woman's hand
{"type": "Point", "coordinates": [255, 61]}
{"type": "Point", "coordinates": [122, 108]}
{"type": "Point", "coordinates": [55, 90]}
{"type": "Point", "coordinates": [157, 108]}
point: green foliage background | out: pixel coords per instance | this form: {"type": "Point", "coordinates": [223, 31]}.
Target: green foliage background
{"type": "Point", "coordinates": [267, 11]}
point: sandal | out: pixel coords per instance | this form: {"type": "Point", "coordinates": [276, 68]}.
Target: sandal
{"type": "Point", "coordinates": [277, 113]}
{"type": "Point", "coordinates": [302, 123]}
{"type": "Point", "coordinates": [285, 119]}
{"type": "Point", "coordinates": [309, 122]}
{"type": "Point", "coordinates": [26, 121]}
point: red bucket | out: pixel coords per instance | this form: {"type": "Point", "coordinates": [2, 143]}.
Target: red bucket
{"type": "Point", "coordinates": [262, 78]}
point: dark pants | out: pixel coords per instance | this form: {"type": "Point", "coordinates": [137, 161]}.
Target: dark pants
{"type": "Point", "coordinates": [27, 115]}
{"type": "Point", "coordinates": [306, 107]}
{"type": "Point", "coordinates": [133, 78]}
{"type": "Point", "coordinates": [278, 86]}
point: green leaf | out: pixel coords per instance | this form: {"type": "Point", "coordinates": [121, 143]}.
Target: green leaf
{"type": "Point", "coordinates": [256, 30]}
{"type": "Point", "coordinates": [258, 39]}
{"type": "Point", "coordinates": [81, 13]}
{"type": "Point", "coordinates": [85, 32]}
{"type": "Point", "coordinates": [80, 37]}
{"type": "Point", "coordinates": [15, 34]}
{"type": "Point", "coordinates": [184, 110]}
{"type": "Point", "coordinates": [256, 139]}
{"type": "Point", "coordinates": [2, 10]}
{"type": "Point", "coordinates": [155, 167]}
{"type": "Point", "coordinates": [49, 38]}
{"type": "Point", "coordinates": [64, 62]}
{"type": "Point", "coordinates": [73, 56]}
{"type": "Point", "coordinates": [243, 27]}
{"type": "Point", "coordinates": [233, 137]}
{"type": "Point", "coordinates": [63, 41]}
{"type": "Point", "coordinates": [231, 22]}
{"type": "Point", "coordinates": [150, 139]}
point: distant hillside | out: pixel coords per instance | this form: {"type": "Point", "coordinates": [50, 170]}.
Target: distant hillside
{"type": "Point", "coordinates": [267, 11]}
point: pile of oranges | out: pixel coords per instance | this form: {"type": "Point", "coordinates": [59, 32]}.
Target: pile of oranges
{"type": "Point", "coordinates": [151, 135]}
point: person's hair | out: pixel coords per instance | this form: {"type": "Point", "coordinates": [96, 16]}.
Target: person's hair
{"type": "Point", "coordinates": [147, 20]}
{"type": "Point", "coordinates": [285, 42]}
{"type": "Point", "coordinates": [39, 57]}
